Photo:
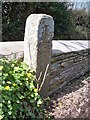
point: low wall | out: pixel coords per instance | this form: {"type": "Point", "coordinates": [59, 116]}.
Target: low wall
{"type": "Point", "coordinates": [68, 61]}
{"type": "Point", "coordinates": [12, 50]}
{"type": "Point", "coordinates": [68, 66]}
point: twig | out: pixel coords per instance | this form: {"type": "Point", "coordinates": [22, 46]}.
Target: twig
{"type": "Point", "coordinates": [38, 80]}
{"type": "Point", "coordinates": [44, 77]}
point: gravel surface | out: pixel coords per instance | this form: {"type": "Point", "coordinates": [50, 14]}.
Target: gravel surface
{"type": "Point", "coordinates": [73, 101]}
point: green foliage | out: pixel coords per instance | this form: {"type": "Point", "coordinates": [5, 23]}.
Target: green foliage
{"type": "Point", "coordinates": [19, 96]}
{"type": "Point", "coordinates": [69, 23]}
{"type": "Point", "coordinates": [14, 16]}
{"type": "Point", "coordinates": [81, 23]}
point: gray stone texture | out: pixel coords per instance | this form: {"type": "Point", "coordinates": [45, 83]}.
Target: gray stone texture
{"type": "Point", "coordinates": [12, 50]}
{"type": "Point", "coordinates": [39, 32]}
{"type": "Point", "coordinates": [67, 67]}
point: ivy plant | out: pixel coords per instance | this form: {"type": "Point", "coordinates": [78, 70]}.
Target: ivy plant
{"type": "Point", "coordinates": [19, 96]}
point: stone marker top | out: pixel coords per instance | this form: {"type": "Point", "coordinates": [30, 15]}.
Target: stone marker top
{"type": "Point", "coordinates": [39, 16]}
{"type": "Point", "coordinates": [35, 25]}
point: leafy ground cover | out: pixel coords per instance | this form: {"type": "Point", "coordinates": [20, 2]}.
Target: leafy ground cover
{"type": "Point", "coordinates": [19, 99]}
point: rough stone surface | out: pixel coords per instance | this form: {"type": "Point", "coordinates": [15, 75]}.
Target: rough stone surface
{"type": "Point", "coordinates": [63, 46]}
{"type": "Point", "coordinates": [11, 50]}
{"type": "Point", "coordinates": [39, 32]}
{"type": "Point", "coordinates": [68, 66]}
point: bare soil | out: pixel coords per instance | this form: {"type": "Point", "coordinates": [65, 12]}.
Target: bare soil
{"type": "Point", "coordinates": [73, 101]}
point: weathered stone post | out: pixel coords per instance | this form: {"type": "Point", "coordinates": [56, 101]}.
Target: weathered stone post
{"type": "Point", "coordinates": [39, 32]}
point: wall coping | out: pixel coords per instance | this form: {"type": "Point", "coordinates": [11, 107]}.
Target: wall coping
{"type": "Point", "coordinates": [58, 46]}
{"type": "Point", "coordinates": [8, 48]}
{"type": "Point", "coordinates": [64, 46]}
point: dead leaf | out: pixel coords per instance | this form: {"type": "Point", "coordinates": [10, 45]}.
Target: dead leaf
{"type": "Point", "coordinates": [60, 104]}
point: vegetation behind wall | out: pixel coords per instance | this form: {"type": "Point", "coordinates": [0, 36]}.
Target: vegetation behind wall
{"type": "Point", "coordinates": [69, 23]}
